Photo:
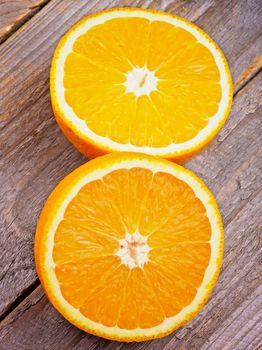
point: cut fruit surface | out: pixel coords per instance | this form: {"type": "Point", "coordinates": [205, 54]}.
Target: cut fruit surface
{"type": "Point", "coordinates": [128, 246]}
{"type": "Point", "coordinates": [139, 80]}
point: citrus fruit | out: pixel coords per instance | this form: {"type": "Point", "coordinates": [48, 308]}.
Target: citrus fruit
{"type": "Point", "coordinates": [141, 81]}
{"type": "Point", "coordinates": [129, 246]}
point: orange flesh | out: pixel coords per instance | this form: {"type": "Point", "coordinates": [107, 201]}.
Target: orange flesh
{"type": "Point", "coordinates": [91, 275]}
{"type": "Point", "coordinates": [188, 88]}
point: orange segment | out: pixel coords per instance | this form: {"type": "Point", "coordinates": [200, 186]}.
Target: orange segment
{"type": "Point", "coordinates": [187, 261]}
{"type": "Point", "coordinates": [173, 208]}
{"type": "Point", "coordinates": [103, 303]}
{"type": "Point", "coordinates": [134, 47]}
{"type": "Point", "coordinates": [74, 242]}
{"type": "Point", "coordinates": [92, 208]}
{"type": "Point", "coordinates": [79, 279]}
{"type": "Point", "coordinates": [128, 203]}
{"type": "Point", "coordinates": [140, 303]}
{"type": "Point", "coordinates": [165, 283]}
{"type": "Point", "coordinates": [129, 246]}
{"type": "Point", "coordinates": [168, 41]}
{"type": "Point", "coordinates": [138, 80]}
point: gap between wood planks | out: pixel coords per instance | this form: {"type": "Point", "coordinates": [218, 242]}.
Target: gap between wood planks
{"type": "Point", "coordinates": [249, 73]}
{"type": "Point", "coordinates": [246, 76]}
{"type": "Point", "coordinates": [20, 17]}
{"type": "Point", "coordinates": [27, 292]}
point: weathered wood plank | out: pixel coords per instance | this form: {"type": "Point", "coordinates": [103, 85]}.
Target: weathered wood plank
{"type": "Point", "coordinates": [243, 328]}
{"type": "Point", "coordinates": [30, 138]}
{"type": "Point", "coordinates": [248, 73]}
{"type": "Point", "coordinates": [237, 287]}
{"type": "Point", "coordinates": [16, 12]}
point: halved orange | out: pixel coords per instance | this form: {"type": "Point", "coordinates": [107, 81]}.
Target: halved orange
{"type": "Point", "coordinates": [141, 81]}
{"type": "Point", "coordinates": [129, 246]}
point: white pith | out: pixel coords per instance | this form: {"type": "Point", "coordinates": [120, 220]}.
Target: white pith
{"type": "Point", "coordinates": [81, 126]}
{"type": "Point", "coordinates": [140, 81]}
{"type": "Point", "coordinates": [133, 250]}
{"type": "Point", "coordinates": [215, 242]}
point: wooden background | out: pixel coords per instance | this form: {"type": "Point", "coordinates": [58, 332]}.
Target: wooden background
{"type": "Point", "coordinates": [35, 157]}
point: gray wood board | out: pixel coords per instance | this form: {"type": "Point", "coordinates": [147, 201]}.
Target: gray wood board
{"type": "Point", "coordinates": [16, 12]}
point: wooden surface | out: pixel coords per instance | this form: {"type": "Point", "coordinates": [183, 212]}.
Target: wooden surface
{"type": "Point", "coordinates": [35, 157]}
{"type": "Point", "coordinates": [16, 12]}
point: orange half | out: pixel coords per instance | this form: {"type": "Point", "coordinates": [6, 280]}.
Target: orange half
{"type": "Point", "coordinates": [142, 81]}
{"type": "Point", "coordinates": [128, 246]}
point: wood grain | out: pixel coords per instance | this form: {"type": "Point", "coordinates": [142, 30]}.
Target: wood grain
{"type": "Point", "coordinates": [16, 12]}
{"type": "Point", "coordinates": [35, 157]}
{"type": "Point", "coordinates": [236, 181]}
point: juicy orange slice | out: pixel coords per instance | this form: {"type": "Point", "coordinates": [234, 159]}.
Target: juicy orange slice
{"type": "Point", "coordinates": [139, 80]}
{"type": "Point", "coordinates": [128, 246]}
